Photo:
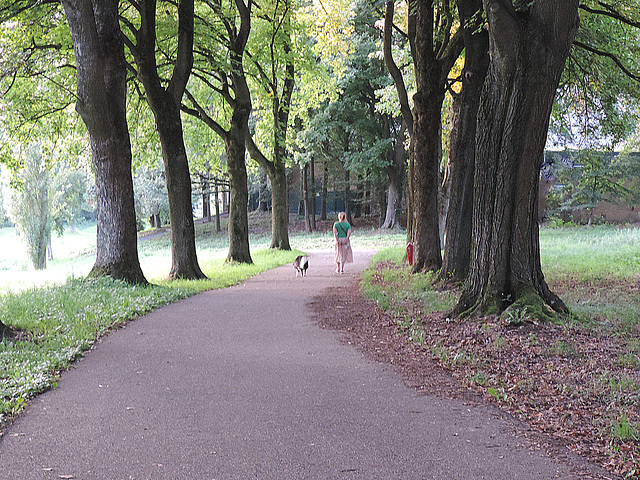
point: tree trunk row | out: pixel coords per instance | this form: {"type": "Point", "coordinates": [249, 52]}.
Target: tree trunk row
{"type": "Point", "coordinates": [528, 50]}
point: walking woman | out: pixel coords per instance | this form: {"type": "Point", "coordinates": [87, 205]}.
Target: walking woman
{"type": "Point", "coordinates": [342, 234]}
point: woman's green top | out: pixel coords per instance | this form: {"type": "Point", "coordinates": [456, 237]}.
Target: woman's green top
{"type": "Point", "coordinates": [342, 228]}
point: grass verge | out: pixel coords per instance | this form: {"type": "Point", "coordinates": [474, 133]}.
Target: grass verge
{"type": "Point", "coordinates": [577, 381]}
{"type": "Point", "coordinates": [56, 324]}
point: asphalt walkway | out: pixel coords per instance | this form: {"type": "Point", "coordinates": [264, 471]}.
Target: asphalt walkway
{"type": "Point", "coordinates": [240, 384]}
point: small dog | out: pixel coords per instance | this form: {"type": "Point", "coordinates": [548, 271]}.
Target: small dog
{"type": "Point", "coordinates": [301, 264]}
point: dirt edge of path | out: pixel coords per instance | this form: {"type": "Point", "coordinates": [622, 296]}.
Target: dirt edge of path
{"type": "Point", "coordinates": [378, 337]}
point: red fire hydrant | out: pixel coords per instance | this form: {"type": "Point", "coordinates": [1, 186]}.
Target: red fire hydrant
{"type": "Point", "coordinates": [410, 253]}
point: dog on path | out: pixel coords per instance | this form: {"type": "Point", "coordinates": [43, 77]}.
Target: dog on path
{"type": "Point", "coordinates": [301, 264]}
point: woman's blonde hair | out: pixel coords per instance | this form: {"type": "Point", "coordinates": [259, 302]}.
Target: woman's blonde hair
{"type": "Point", "coordinates": [341, 216]}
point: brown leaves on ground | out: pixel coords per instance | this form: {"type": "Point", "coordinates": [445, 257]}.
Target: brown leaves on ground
{"type": "Point", "coordinates": [575, 389]}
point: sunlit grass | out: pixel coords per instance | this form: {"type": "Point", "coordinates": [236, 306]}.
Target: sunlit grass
{"type": "Point", "coordinates": [590, 267]}
{"type": "Point", "coordinates": [591, 254]}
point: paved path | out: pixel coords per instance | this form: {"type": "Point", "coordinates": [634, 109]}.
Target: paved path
{"type": "Point", "coordinates": [240, 384]}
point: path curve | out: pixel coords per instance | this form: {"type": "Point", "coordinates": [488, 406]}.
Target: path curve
{"type": "Point", "coordinates": [241, 384]}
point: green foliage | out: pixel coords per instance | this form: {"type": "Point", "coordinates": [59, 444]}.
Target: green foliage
{"type": "Point", "coordinates": [623, 431]}
{"type": "Point", "coordinates": [68, 195]}
{"type": "Point", "coordinates": [3, 212]}
{"type": "Point", "coordinates": [48, 195]}
{"type": "Point", "coordinates": [597, 101]}
{"type": "Point", "coordinates": [31, 205]}
{"type": "Point", "coordinates": [350, 131]}
{"type": "Point", "coordinates": [585, 178]}
{"type": "Point", "coordinates": [150, 189]}
{"type": "Point", "coordinates": [37, 75]}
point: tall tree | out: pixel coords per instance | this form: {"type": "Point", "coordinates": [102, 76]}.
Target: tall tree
{"type": "Point", "coordinates": [222, 70]}
{"type": "Point", "coordinates": [101, 102]}
{"type": "Point", "coordinates": [165, 103]}
{"type": "Point", "coordinates": [277, 78]}
{"type": "Point", "coordinates": [457, 248]}
{"type": "Point", "coordinates": [435, 46]}
{"type": "Point", "coordinates": [31, 205]}
{"type": "Point", "coordinates": [528, 49]}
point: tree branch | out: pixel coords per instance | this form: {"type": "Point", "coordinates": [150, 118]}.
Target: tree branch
{"type": "Point", "coordinates": [611, 12]}
{"type": "Point", "coordinates": [199, 112]}
{"type": "Point", "coordinates": [184, 56]}
{"type": "Point", "coordinates": [258, 156]}
{"type": "Point", "coordinates": [615, 59]}
{"type": "Point", "coordinates": [394, 71]}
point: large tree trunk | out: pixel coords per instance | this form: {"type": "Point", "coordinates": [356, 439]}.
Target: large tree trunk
{"type": "Point", "coordinates": [184, 259]}
{"type": "Point", "coordinates": [239, 193]}
{"type": "Point", "coordinates": [395, 172]}
{"type": "Point", "coordinates": [457, 249]}
{"type": "Point", "coordinates": [528, 52]}
{"type": "Point", "coordinates": [425, 174]}
{"type": "Point", "coordinates": [101, 72]}
{"type": "Point", "coordinates": [165, 104]}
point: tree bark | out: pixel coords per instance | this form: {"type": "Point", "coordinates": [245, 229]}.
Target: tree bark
{"type": "Point", "coordinates": [165, 104]}
{"type": "Point", "coordinates": [312, 193]}
{"type": "Point", "coordinates": [239, 193]}
{"type": "Point", "coordinates": [217, 206]}
{"type": "Point", "coordinates": [528, 51]}
{"type": "Point", "coordinates": [6, 332]}
{"type": "Point", "coordinates": [457, 248]}
{"type": "Point", "coordinates": [101, 72]}
{"type": "Point", "coordinates": [325, 188]}
{"type": "Point", "coordinates": [395, 172]}
{"type": "Point", "coordinates": [305, 198]}
{"type": "Point", "coordinates": [433, 57]}
{"type": "Point", "coordinates": [277, 172]}
{"type": "Point", "coordinates": [347, 195]}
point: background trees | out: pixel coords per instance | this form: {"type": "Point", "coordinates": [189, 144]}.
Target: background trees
{"type": "Point", "coordinates": [31, 206]}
